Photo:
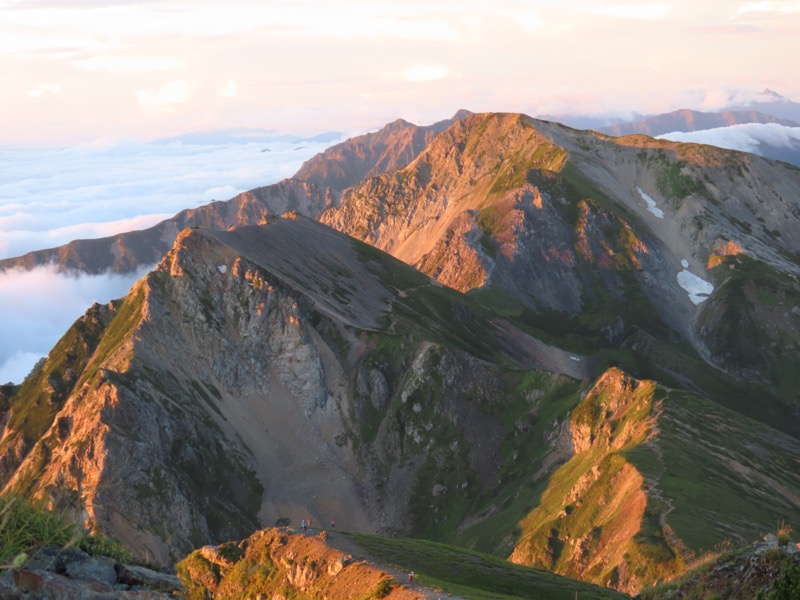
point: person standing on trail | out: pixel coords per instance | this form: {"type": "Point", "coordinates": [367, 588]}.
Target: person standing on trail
{"type": "Point", "coordinates": [303, 524]}
{"type": "Point", "coordinates": [411, 577]}
{"type": "Point", "coordinates": [333, 524]}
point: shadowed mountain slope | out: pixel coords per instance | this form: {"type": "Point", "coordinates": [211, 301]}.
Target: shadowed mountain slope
{"type": "Point", "coordinates": [253, 356]}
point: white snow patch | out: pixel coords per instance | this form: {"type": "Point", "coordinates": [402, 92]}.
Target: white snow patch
{"type": "Point", "coordinates": [651, 204]}
{"type": "Point", "coordinates": [685, 263]}
{"type": "Point", "coordinates": [698, 289]}
{"type": "Point", "coordinates": [222, 268]}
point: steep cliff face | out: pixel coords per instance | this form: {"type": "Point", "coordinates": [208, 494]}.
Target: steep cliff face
{"type": "Point", "coordinates": [284, 564]}
{"type": "Point", "coordinates": [255, 376]}
{"type": "Point", "coordinates": [594, 507]}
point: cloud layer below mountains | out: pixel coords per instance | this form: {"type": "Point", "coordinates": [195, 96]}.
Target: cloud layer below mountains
{"type": "Point", "coordinates": [747, 137]}
{"type": "Point", "coordinates": [51, 196]}
{"type": "Point", "coordinates": [37, 307]}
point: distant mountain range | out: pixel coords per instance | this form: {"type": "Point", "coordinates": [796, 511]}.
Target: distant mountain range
{"type": "Point", "coordinates": [692, 120]}
{"type": "Point", "coordinates": [571, 350]}
{"type": "Point", "coordinates": [247, 134]}
{"type": "Point", "coordinates": [765, 107]}
{"type": "Point", "coordinates": [769, 102]}
{"type": "Point", "coordinates": [727, 128]}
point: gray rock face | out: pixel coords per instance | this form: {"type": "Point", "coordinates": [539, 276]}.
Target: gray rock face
{"type": "Point", "coordinates": [238, 385]}
{"type": "Point", "coordinates": [69, 574]}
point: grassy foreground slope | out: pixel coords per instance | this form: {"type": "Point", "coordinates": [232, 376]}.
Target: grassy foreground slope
{"type": "Point", "coordinates": [475, 575]}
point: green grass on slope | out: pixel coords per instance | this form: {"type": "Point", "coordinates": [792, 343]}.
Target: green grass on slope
{"type": "Point", "coordinates": [724, 475]}
{"type": "Point", "coordinates": [752, 325]}
{"type": "Point", "coordinates": [476, 576]}
{"type": "Point", "coordinates": [432, 312]}
{"type": "Point", "coordinates": [44, 392]}
{"type": "Point", "coordinates": [26, 526]}
{"type": "Point", "coordinates": [500, 508]}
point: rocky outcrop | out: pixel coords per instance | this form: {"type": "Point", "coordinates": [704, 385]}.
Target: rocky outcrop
{"type": "Point", "coordinates": [71, 574]}
{"type": "Point", "coordinates": [621, 512]}
{"type": "Point", "coordinates": [766, 569]}
{"type": "Point", "coordinates": [285, 563]}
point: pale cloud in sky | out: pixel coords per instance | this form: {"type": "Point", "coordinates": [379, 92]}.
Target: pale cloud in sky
{"type": "Point", "coordinates": [776, 6]}
{"type": "Point", "coordinates": [230, 89]}
{"type": "Point", "coordinates": [172, 92]}
{"type": "Point", "coordinates": [44, 88]}
{"type": "Point", "coordinates": [130, 64]}
{"type": "Point", "coordinates": [149, 69]}
{"type": "Point", "coordinates": [422, 73]}
{"type": "Point", "coordinates": [632, 11]}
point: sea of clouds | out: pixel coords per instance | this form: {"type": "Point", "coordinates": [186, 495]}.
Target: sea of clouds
{"type": "Point", "coordinates": [50, 196]}
{"type": "Point", "coordinates": [770, 140]}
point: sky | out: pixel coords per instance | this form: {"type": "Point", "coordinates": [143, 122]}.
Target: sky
{"type": "Point", "coordinates": [78, 70]}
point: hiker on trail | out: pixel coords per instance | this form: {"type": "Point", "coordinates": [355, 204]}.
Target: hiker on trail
{"type": "Point", "coordinates": [411, 577]}
{"type": "Point", "coordinates": [303, 524]}
{"type": "Point", "coordinates": [333, 524]}
{"type": "Point", "coordinates": [310, 520]}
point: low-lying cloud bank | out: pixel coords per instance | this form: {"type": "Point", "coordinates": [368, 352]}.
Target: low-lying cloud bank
{"type": "Point", "coordinates": [51, 196]}
{"type": "Point", "coordinates": [37, 307]}
{"type": "Point", "coordinates": [770, 140]}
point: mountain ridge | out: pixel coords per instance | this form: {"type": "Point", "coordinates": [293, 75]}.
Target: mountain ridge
{"type": "Point", "coordinates": [598, 338]}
